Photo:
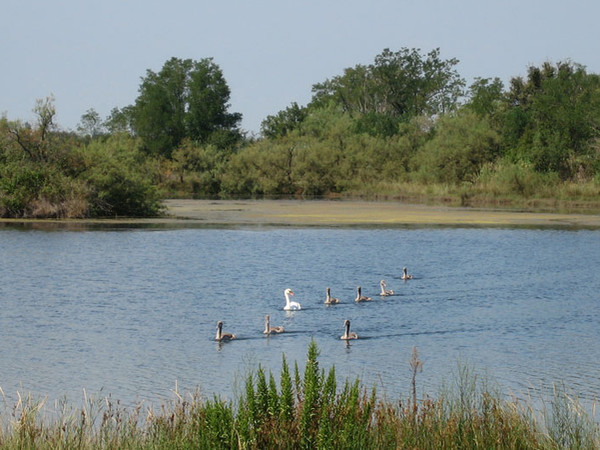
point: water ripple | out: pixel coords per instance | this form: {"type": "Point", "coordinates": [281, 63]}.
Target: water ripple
{"type": "Point", "coordinates": [133, 313]}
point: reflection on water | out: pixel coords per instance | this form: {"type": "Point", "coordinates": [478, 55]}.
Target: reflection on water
{"type": "Point", "coordinates": [132, 312]}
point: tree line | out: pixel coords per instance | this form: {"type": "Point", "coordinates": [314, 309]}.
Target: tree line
{"type": "Point", "coordinates": [406, 125]}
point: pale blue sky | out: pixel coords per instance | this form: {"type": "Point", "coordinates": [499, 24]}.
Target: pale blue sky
{"type": "Point", "coordinates": [91, 54]}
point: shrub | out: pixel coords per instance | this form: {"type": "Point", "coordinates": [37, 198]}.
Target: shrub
{"type": "Point", "coordinates": [120, 181]}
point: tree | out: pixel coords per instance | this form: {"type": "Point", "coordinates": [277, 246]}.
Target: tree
{"type": "Point", "coordinates": [284, 121]}
{"type": "Point", "coordinates": [401, 84]}
{"type": "Point", "coordinates": [207, 102]}
{"type": "Point", "coordinates": [186, 99]}
{"type": "Point", "coordinates": [90, 124]}
{"type": "Point", "coordinates": [34, 141]}
{"type": "Point", "coordinates": [45, 112]}
{"type": "Point", "coordinates": [120, 120]}
{"type": "Point", "coordinates": [485, 96]}
{"type": "Point", "coordinates": [553, 117]}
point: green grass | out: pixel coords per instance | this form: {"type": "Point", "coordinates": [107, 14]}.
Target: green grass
{"type": "Point", "coordinates": [309, 410]}
{"type": "Point", "coordinates": [534, 194]}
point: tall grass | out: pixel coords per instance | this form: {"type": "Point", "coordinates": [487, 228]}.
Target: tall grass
{"type": "Point", "coordinates": [309, 410]}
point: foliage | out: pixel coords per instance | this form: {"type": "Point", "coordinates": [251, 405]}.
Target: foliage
{"type": "Point", "coordinates": [461, 145]}
{"type": "Point", "coordinates": [485, 96]}
{"type": "Point", "coordinates": [120, 120]}
{"type": "Point", "coordinates": [553, 116]}
{"type": "Point", "coordinates": [91, 124]}
{"type": "Point", "coordinates": [199, 168]}
{"type": "Point", "coordinates": [121, 183]}
{"type": "Point", "coordinates": [394, 128]}
{"type": "Point", "coordinates": [185, 99]}
{"type": "Point", "coordinates": [38, 169]}
{"type": "Point", "coordinates": [507, 178]}
{"type": "Point", "coordinates": [314, 411]}
{"type": "Point", "coordinates": [45, 173]}
{"type": "Point", "coordinates": [283, 122]}
{"type": "Point", "coordinates": [400, 84]}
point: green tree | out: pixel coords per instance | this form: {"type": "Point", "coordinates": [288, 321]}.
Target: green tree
{"type": "Point", "coordinates": [208, 104]}
{"type": "Point", "coordinates": [186, 99]}
{"type": "Point", "coordinates": [552, 118]}
{"type": "Point", "coordinates": [353, 92]}
{"type": "Point", "coordinates": [90, 124]}
{"type": "Point", "coordinates": [120, 120]}
{"type": "Point", "coordinates": [401, 84]}
{"type": "Point", "coordinates": [284, 121]}
{"type": "Point", "coordinates": [35, 141]}
{"type": "Point", "coordinates": [485, 96]}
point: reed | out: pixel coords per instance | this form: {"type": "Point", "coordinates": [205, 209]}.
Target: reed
{"type": "Point", "coordinates": [309, 410]}
{"type": "Point", "coordinates": [509, 186]}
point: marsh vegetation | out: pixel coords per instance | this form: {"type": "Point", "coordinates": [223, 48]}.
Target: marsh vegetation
{"type": "Point", "coordinates": [406, 126]}
{"type": "Point", "coordinates": [312, 409]}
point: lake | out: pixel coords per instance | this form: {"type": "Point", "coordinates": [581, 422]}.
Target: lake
{"type": "Point", "coordinates": [131, 312]}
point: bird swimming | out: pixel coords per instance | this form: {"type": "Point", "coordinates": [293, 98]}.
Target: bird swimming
{"type": "Point", "coordinates": [269, 329]}
{"type": "Point", "coordinates": [405, 275]}
{"type": "Point", "coordinates": [347, 334]}
{"type": "Point", "coordinates": [385, 292]}
{"type": "Point", "coordinates": [223, 336]}
{"type": "Point", "coordinates": [289, 305]}
{"type": "Point", "coordinates": [360, 297]}
{"type": "Point", "coordinates": [329, 300]}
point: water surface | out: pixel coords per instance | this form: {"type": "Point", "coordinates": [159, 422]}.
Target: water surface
{"type": "Point", "coordinates": [132, 312]}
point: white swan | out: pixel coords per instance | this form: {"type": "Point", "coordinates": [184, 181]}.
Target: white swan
{"type": "Point", "coordinates": [347, 334]}
{"type": "Point", "coordinates": [360, 297]}
{"type": "Point", "coordinates": [385, 292]}
{"type": "Point", "coordinates": [289, 305]}
{"type": "Point", "coordinates": [269, 329]}
{"type": "Point", "coordinates": [405, 275]}
{"type": "Point", "coordinates": [329, 300]}
{"type": "Point", "coordinates": [223, 336]}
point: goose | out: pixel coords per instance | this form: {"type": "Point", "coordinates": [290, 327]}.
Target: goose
{"type": "Point", "coordinates": [289, 305]}
{"type": "Point", "coordinates": [347, 334]}
{"type": "Point", "coordinates": [385, 292]}
{"type": "Point", "coordinates": [329, 300]}
{"type": "Point", "coordinates": [360, 297]}
{"type": "Point", "coordinates": [269, 329]}
{"type": "Point", "coordinates": [405, 275]}
{"type": "Point", "coordinates": [223, 336]}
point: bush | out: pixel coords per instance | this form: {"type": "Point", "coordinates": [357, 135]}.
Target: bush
{"type": "Point", "coordinates": [520, 179]}
{"type": "Point", "coordinates": [30, 190]}
{"type": "Point", "coordinates": [121, 182]}
{"type": "Point", "coordinates": [462, 144]}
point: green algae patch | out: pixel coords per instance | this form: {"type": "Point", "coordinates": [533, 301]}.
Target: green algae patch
{"type": "Point", "coordinates": [356, 213]}
{"type": "Point", "coordinates": [325, 213]}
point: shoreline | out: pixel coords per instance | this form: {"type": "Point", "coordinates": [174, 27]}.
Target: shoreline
{"type": "Point", "coordinates": [327, 213]}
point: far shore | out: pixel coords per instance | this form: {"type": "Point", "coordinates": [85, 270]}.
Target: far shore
{"type": "Point", "coordinates": [333, 213]}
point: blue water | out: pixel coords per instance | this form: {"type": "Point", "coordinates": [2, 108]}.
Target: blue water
{"type": "Point", "coordinates": [131, 313]}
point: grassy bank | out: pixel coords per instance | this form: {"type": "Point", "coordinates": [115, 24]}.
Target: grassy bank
{"type": "Point", "coordinates": [565, 197]}
{"type": "Point", "coordinates": [310, 410]}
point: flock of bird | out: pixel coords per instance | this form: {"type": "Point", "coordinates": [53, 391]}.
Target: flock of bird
{"type": "Point", "coordinates": [295, 306]}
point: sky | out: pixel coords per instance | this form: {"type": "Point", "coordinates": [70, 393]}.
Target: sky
{"type": "Point", "coordinates": [93, 54]}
